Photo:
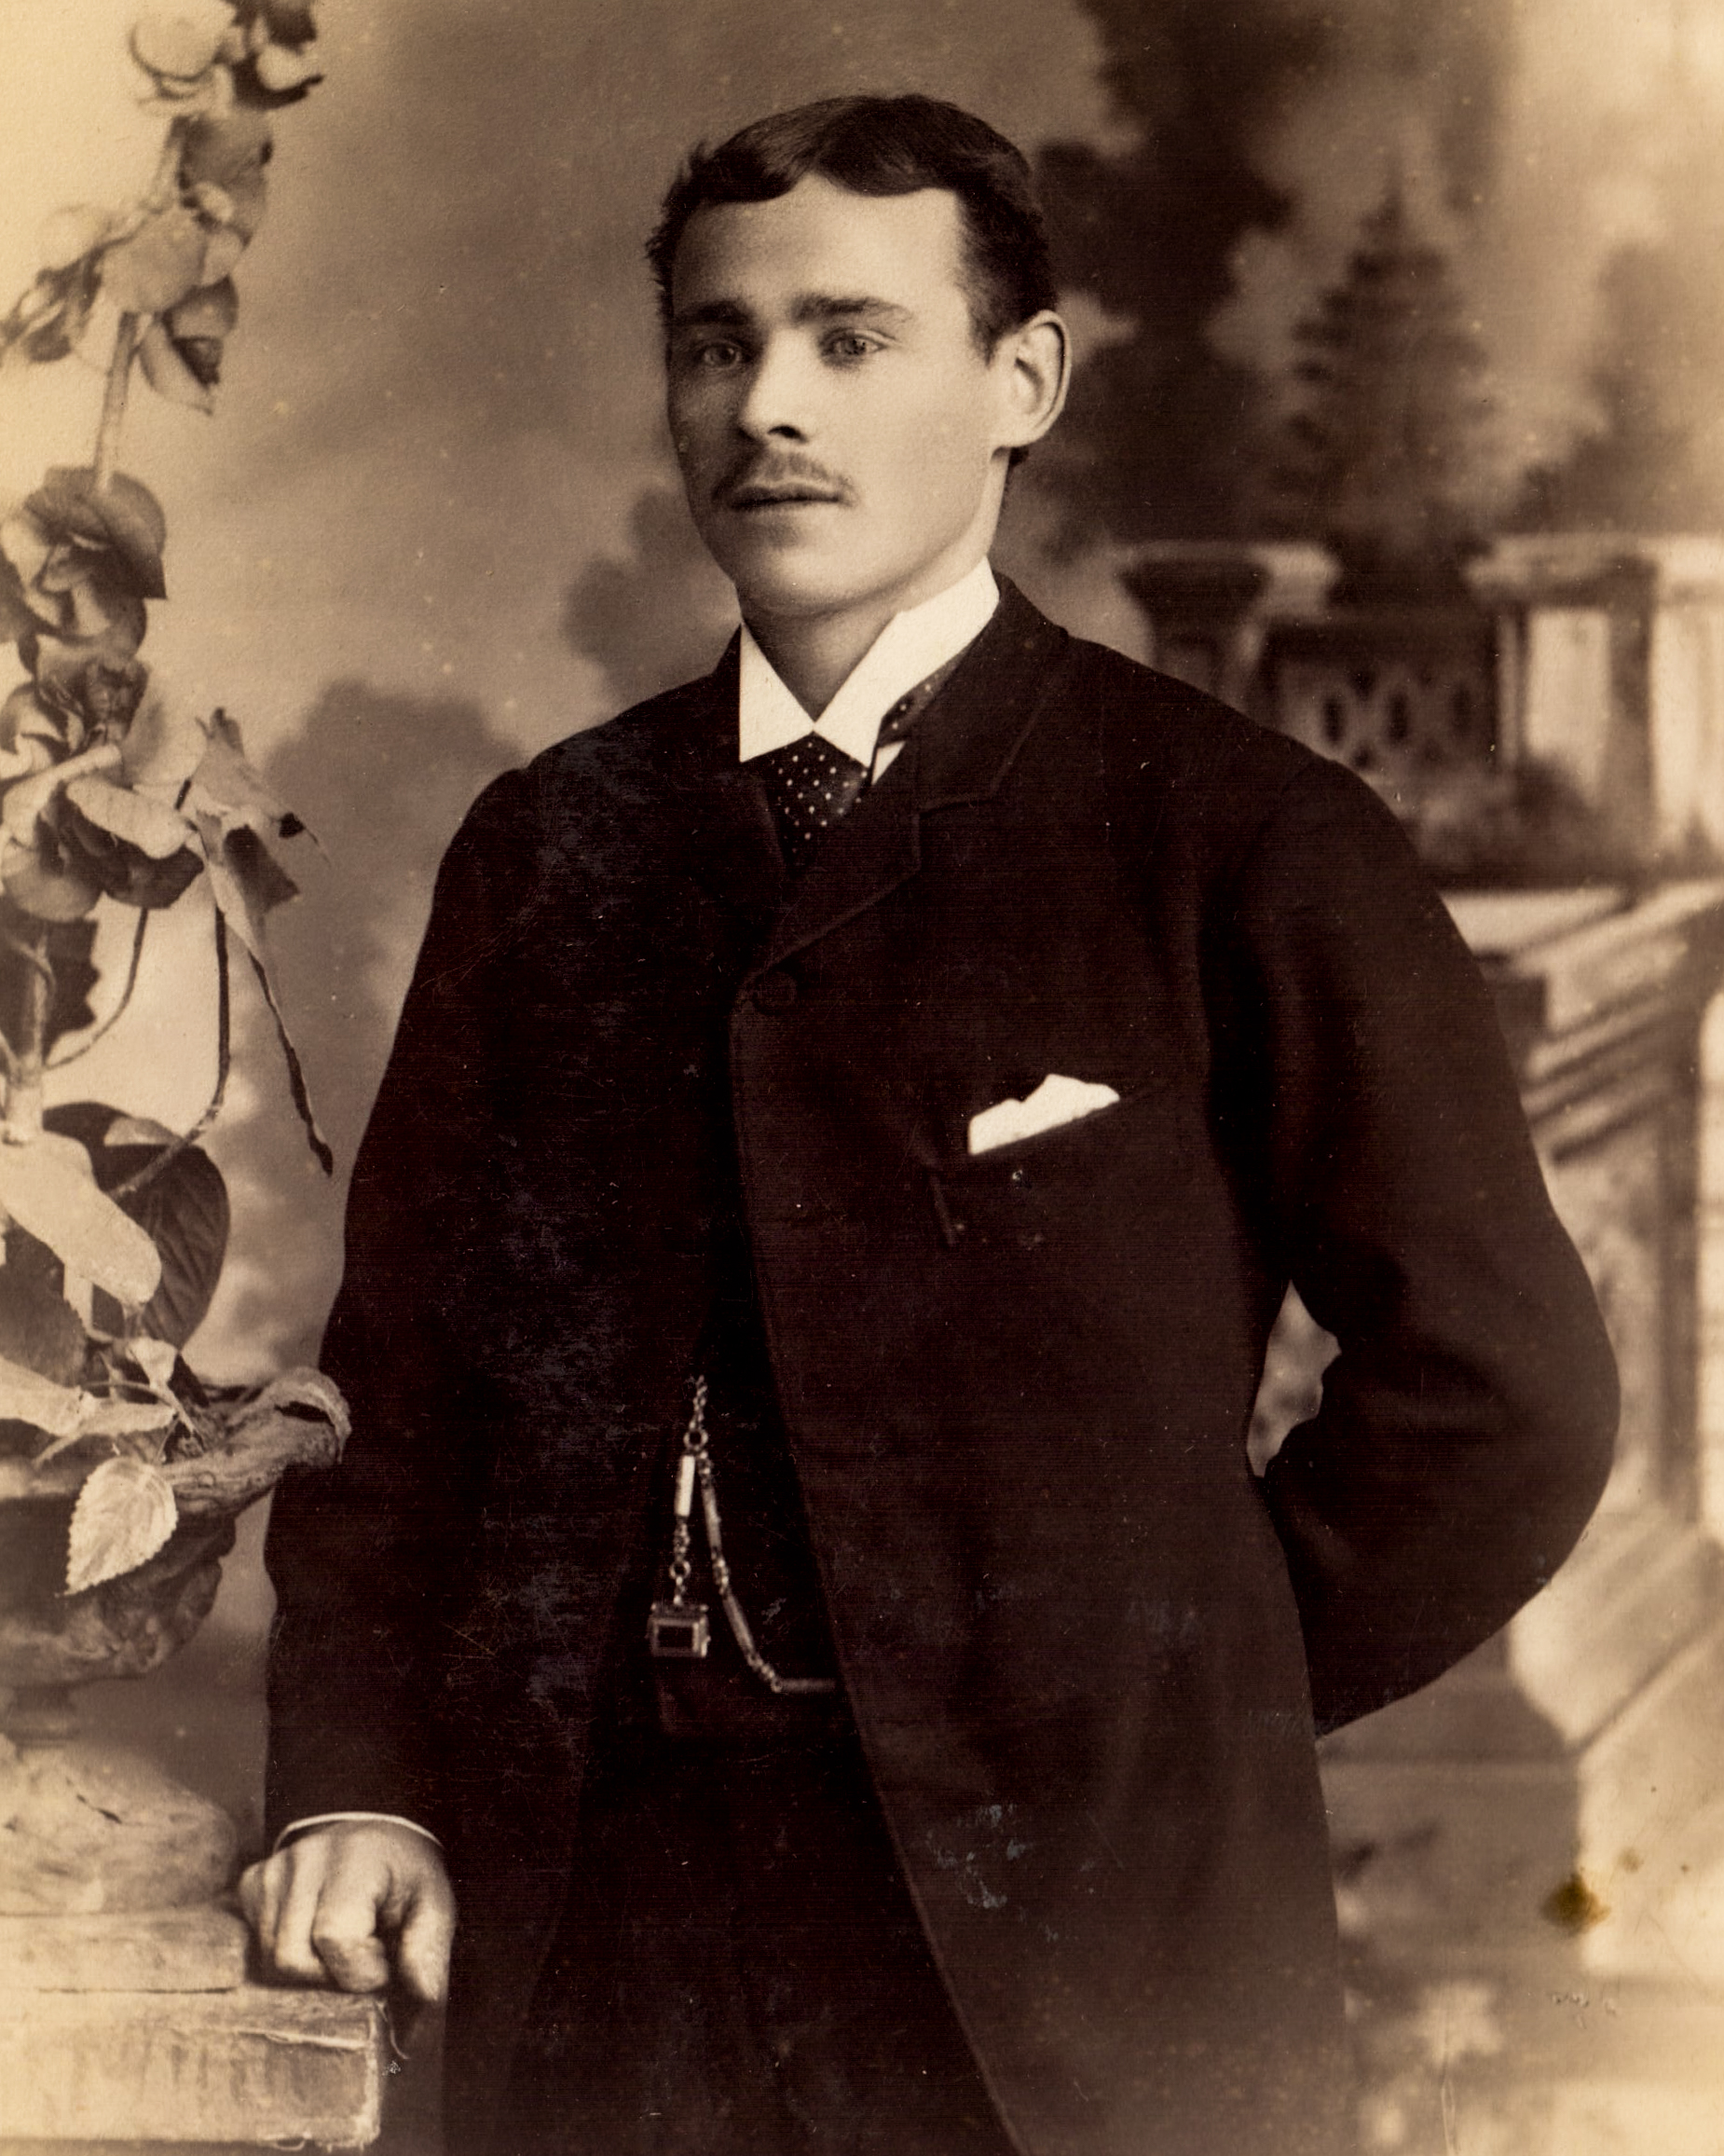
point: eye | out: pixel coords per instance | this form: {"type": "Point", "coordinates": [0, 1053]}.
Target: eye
{"type": "Point", "coordinates": [717, 355]}
{"type": "Point", "coordinates": [850, 345]}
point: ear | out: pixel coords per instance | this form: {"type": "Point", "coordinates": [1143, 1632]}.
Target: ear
{"type": "Point", "coordinates": [1035, 364]}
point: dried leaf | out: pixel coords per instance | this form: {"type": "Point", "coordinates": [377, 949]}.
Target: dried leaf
{"type": "Point", "coordinates": [40, 881]}
{"type": "Point", "coordinates": [69, 235]}
{"type": "Point", "coordinates": [282, 70]}
{"type": "Point", "coordinates": [168, 373]}
{"type": "Point", "coordinates": [49, 1188]}
{"type": "Point", "coordinates": [173, 43]}
{"type": "Point", "coordinates": [288, 22]}
{"type": "Point", "coordinates": [164, 744]}
{"type": "Point", "coordinates": [222, 147]}
{"type": "Point", "coordinates": [124, 516]}
{"type": "Point", "coordinates": [222, 253]}
{"type": "Point", "coordinates": [26, 543]}
{"type": "Point", "coordinates": [136, 819]}
{"type": "Point", "coordinates": [123, 1516]}
{"type": "Point", "coordinates": [31, 800]}
{"type": "Point", "coordinates": [300, 1389]}
{"type": "Point", "coordinates": [49, 320]}
{"type": "Point", "coordinates": [212, 310]}
{"type": "Point", "coordinates": [156, 267]}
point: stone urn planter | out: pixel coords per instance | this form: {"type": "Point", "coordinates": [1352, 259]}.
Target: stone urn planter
{"type": "Point", "coordinates": [109, 1870]}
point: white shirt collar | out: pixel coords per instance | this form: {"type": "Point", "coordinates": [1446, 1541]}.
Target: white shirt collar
{"type": "Point", "coordinates": [906, 651]}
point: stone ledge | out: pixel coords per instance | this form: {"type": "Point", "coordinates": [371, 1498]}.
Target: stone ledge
{"type": "Point", "coordinates": [168, 1950]}
{"type": "Point", "coordinates": [236, 2067]}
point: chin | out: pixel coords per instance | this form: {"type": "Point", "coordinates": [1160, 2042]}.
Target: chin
{"type": "Point", "coordinates": [779, 587]}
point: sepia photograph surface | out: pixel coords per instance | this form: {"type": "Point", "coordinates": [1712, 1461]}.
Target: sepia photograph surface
{"type": "Point", "coordinates": [337, 481]}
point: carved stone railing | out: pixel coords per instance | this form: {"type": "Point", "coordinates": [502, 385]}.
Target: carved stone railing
{"type": "Point", "coordinates": [1540, 1835]}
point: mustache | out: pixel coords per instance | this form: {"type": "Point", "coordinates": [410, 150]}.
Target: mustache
{"type": "Point", "coordinates": [756, 477]}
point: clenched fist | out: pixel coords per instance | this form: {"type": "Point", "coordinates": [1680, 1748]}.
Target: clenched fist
{"type": "Point", "coordinates": [351, 1903]}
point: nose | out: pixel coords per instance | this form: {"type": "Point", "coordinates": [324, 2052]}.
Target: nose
{"type": "Point", "coordinates": [776, 401]}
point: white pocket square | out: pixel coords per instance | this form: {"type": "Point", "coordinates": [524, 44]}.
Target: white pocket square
{"type": "Point", "coordinates": [1057, 1100]}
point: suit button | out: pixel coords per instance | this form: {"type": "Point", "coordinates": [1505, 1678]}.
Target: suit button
{"type": "Point", "coordinates": [777, 992]}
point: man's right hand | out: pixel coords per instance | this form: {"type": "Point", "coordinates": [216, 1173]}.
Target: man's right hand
{"type": "Point", "coordinates": [352, 1903]}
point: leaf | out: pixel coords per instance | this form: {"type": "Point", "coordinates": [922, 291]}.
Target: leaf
{"type": "Point", "coordinates": [282, 72]}
{"type": "Point", "coordinates": [164, 744]}
{"type": "Point", "coordinates": [126, 1130]}
{"type": "Point", "coordinates": [49, 1188]}
{"type": "Point", "coordinates": [184, 1209]}
{"type": "Point", "coordinates": [69, 235]}
{"type": "Point", "coordinates": [135, 818]}
{"type": "Point", "coordinates": [227, 788]}
{"type": "Point", "coordinates": [127, 1418]}
{"type": "Point", "coordinates": [123, 1516]}
{"type": "Point", "coordinates": [39, 1328]}
{"type": "Point", "coordinates": [289, 21]}
{"type": "Point", "coordinates": [49, 319]}
{"type": "Point", "coordinates": [168, 41]}
{"type": "Point", "coordinates": [156, 1359]}
{"type": "Point", "coordinates": [212, 310]}
{"type": "Point", "coordinates": [295, 1390]}
{"type": "Point", "coordinates": [15, 619]}
{"type": "Point", "coordinates": [161, 262]}
{"type": "Point", "coordinates": [124, 516]}
{"type": "Point", "coordinates": [133, 873]}
{"type": "Point", "coordinates": [29, 799]}
{"type": "Point", "coordinates": [39, 880]}
{"type": "Point", "coordinates": [168, 373]}
{"type": "Point", "coordinates": [222, 147]}
{"type": "Point", "coordinates": [222, 251]}
{"type": "Point", "coordinates": [26, 1396]}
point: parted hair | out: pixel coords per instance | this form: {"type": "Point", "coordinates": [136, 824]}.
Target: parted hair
{"type": "Point", "coordinates": [884, 145]}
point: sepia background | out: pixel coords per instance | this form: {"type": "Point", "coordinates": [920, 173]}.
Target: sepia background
{"type": "Point", "coordinates": [433, 524]}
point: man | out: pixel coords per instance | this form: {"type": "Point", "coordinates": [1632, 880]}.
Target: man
{"type": "Point", "coordinates": [809, 1273]}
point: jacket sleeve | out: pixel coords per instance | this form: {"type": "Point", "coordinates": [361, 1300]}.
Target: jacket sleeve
{"type": "Point", "coordinates": [366, 1558]}
{"type": "Point", "coordinates": [1466, 1426]}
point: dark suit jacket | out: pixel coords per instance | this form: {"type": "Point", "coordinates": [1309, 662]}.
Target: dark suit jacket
{"type": "Point", "coordinates": [1085, 1645]}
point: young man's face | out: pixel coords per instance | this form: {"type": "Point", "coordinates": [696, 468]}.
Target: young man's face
{"type": "Point", "coordinates": [842, 437]}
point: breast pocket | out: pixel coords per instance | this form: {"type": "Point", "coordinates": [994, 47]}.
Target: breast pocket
{"type": "Point", "coordinates": [1035, 1192]}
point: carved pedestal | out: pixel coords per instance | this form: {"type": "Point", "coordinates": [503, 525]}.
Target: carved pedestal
{"type": "Point", "coordinates": [1530, 1853]}
{"type": "Point", "coordinates": [125, 2013]}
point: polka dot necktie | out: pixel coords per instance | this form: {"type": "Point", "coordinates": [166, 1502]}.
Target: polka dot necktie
{"type": "Point", "coordinates": [813, 786]}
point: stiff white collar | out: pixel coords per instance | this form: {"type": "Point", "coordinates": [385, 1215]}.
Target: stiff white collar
{"type": "Point", "coordinates": [906, 651]}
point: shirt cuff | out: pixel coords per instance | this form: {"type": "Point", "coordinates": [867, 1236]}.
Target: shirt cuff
{"type": "Point", "coordinates": [294, 1828]}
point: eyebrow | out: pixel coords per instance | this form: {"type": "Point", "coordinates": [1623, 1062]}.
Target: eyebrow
{"type": "Point", "coordinates": [810, 307]}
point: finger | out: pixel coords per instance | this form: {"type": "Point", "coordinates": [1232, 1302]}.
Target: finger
{"type": "Point", "coordinates": [250, 1894]}
{"type": "Point", "coordinates": [353, 1957]}
{"type": "Point", "coordinates": [426, 1937]}
{"type": "Point", "coordinates": [344, 1930]}
{"type": "Point", "coordinates": [304, 1868]}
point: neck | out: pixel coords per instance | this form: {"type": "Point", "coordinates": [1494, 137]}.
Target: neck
{"type": "Point", "coordinates": [815, 654]}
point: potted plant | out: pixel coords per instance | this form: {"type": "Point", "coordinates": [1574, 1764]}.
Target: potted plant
{"type": "Point", "coordinates": [120, 1472]}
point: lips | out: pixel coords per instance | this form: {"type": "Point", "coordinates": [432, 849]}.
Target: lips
{"type": "Point", "coordinates": [746, 498]}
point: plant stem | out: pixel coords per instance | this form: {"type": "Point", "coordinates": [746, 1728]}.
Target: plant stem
{"type": "Point", "coordinates": [131, 326]}
{"type": "Point", "coordinates": [114, 397]}
{"type": "Point", "coordinates": [24, 1092]}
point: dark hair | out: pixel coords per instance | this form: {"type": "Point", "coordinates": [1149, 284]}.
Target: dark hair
{"type": "Point", "coordinates": [885, 145]}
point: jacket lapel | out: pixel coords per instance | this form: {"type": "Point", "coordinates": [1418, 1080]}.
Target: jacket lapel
{"type": "Point", "coordinates": [728, 831]}
{"type": "Point", "coordinates": [961, 748]}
